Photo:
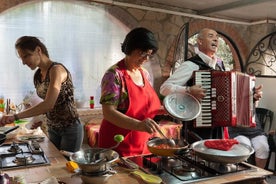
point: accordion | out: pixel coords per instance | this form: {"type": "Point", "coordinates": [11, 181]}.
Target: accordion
{"type": "Point", "coordinates": [228, 100]}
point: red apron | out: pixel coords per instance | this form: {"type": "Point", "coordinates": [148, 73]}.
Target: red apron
{"type": "Point", "coordinates": [143, 103]}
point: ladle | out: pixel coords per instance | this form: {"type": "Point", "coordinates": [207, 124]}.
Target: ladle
{"type": "Point", "coordinates": [117, 138]}
{"type": "Point", "coordinates": [170, 142]}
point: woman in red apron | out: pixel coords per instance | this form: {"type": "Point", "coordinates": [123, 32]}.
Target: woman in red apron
{"type": "Point", "coordinates": [128, 100]}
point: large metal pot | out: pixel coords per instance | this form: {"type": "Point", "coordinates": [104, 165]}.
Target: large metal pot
{"type": "Point", "coordinates": [238, 153]}
{"type": "Point", "coordinates": [94, 160]}
{"type": "Point", "coordinates": [181, 147]}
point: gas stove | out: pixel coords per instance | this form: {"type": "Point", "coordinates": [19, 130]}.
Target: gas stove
{"type": "Point", "coordinates": [186, 169]}
{"type": "Point", "coordinates": [22, 155]}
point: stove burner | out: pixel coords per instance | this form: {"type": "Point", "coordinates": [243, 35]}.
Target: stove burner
{"type": "Point", "coordinates": [21, 155]}
{"type": "Point", "coordinates": [186, 172]}
{"type": "Point", "coordinates": [185, 168]}
{"type": "Point", "coordinates": [15, 148]}
{"type": "Point", "coordinates": [224, 168]}
{"type": "Point", "coordinates": [26, 158]}
{"type": "Point", "coordinates": [188, 169]}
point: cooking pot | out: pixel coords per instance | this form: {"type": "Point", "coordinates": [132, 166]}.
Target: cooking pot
{"type": "Point", "coordinates": [238, 153]}
{"type": "Point", "coordinates": [94, 160]}
{"type": "Point", "coordinates": [3, 136]}
{"type": "Point", "coordinates": [181, 147]}
{"type": "Point", "coordinates": [184, 107]}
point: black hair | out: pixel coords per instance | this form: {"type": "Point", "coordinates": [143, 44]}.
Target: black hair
{"type": "Point", "coordinates": [139, 38]}
{"type": "Point", "coordinates": [30, 43]}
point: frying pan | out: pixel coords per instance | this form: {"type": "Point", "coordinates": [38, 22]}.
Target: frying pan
{"type": "Point", "coordinates": [181, 147]}
{"type": "Point", "coordinates": [238, 153]}
{"type": "Point", "coordinates": [3, 136]}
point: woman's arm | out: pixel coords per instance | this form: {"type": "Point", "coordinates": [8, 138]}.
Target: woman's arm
{"type": "Point", "coordinates": [119, 119]}
{"type": "Point", "coordinates": [58, 74]}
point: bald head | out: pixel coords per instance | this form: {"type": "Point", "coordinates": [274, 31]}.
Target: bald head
{"type": "Point", "coordinates": [207, 41]}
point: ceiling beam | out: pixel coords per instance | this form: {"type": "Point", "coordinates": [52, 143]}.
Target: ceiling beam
{"type": "Point", "coordinates": [229, 6]}
{"type": "Point", "coordinates": [173, 12]}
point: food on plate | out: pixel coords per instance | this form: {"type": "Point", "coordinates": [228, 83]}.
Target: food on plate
{"type": "Point", "coordinates": [221, 144]}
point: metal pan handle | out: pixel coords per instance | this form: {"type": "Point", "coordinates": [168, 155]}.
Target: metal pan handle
{"type": "Point", "coordinates": [11, 129]}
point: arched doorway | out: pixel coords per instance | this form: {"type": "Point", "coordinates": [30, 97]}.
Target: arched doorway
{"type": "Point", "coordinates": [185, 47]}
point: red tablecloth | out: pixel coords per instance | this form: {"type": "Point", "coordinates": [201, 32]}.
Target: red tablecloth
{"type": "Point", "coordinates": [170, 129]}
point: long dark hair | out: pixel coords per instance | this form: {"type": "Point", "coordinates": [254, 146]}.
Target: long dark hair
{"type": "Point", "coordinates": [30, 43]}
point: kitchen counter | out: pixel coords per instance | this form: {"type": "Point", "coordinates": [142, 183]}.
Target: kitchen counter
{"type": "Point", "coordinates": [57, 168]}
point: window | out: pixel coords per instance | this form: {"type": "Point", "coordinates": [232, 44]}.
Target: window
{"type": "Point", "coordinates": [83, 37]}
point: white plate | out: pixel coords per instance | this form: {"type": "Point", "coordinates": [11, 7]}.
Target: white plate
{"type": "Point", "coordinates": [182, 106]}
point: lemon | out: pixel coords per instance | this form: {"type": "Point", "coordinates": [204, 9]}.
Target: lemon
{"type": "Point", "coordinates": [118, 138]}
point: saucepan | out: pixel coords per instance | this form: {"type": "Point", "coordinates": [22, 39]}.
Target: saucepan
{"type": "Point", "coordinates": [160, 147]}
{"type": "Point", "coordinates": [238, 153]}
{"type": "Point", "coordinates": [3, 136]}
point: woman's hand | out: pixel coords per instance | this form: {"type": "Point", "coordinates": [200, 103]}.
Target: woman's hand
{"type": "Point", "coordinates": [37, 124]}
{"type": "Point", "coordinates": [6, 119]}
{"type": "Point", "coordinates": [149, 125]}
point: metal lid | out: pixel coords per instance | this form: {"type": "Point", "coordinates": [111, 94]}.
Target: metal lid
{"type": "Point", "coordinates": [182, 106]}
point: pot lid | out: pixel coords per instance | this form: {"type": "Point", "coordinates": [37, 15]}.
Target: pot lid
{"type": "Point", "coordinates": [182, 106]}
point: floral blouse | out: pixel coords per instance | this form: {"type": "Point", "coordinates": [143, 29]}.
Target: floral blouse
{"type": "Point", "coordinates": [114, 89]}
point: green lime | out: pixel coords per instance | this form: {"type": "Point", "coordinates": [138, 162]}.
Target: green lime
{"type": "Point", "coordinates": [118, 138]}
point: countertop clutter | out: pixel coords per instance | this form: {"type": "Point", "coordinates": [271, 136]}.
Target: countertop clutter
{"type": "Point", "coordinates": [56, 171]}
{"type": "Point", "coordinates": [34, 144]}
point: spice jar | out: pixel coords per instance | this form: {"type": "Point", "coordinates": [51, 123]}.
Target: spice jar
{"type": "Point", "coordinates": [91, 102]}
{"type": "Point", "coordinates": [2, 104]}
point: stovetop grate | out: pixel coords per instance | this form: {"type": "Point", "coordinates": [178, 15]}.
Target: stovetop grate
{"type": "Point", "coordinates": [183, 169]}
{"type": "Point", "coordinates": [24, 156]}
